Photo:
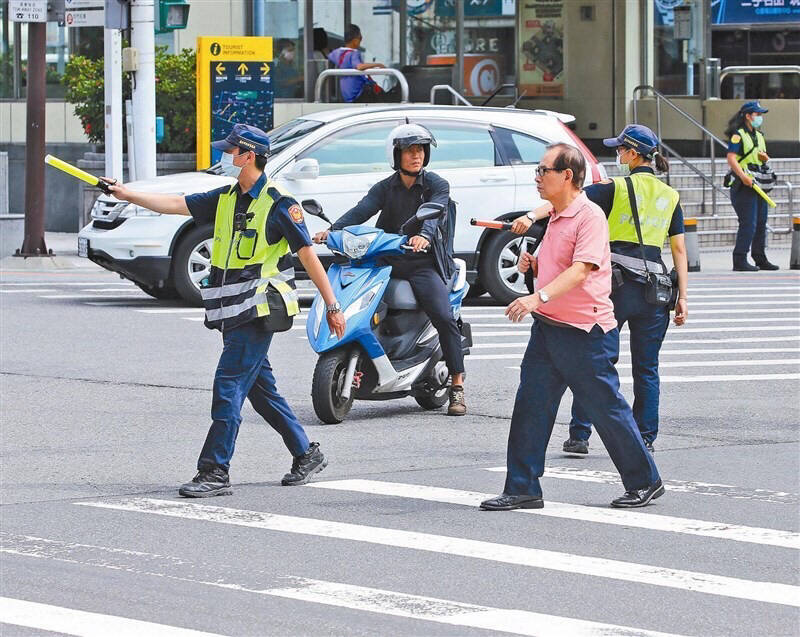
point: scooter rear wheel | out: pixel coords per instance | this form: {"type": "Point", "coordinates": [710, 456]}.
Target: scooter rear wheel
{"type": "Point", "coordinates": [327, 386]}
{"type": "Point", "coordinates": [433, 399]}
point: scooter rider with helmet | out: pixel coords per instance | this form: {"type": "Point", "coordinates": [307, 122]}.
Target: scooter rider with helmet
{"type": "Point", "coordinates": [408, 150]}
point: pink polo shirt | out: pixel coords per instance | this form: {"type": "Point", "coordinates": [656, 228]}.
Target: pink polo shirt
{"type": "Point", "coordinates": [579, 233]}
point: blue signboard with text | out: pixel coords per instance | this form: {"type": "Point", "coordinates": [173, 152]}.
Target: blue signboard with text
{"type": "Point", "coordinates": [732, 12]}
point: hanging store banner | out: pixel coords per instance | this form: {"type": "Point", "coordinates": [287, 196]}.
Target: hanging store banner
{"type": "Point", "coordinates": [540, 48]}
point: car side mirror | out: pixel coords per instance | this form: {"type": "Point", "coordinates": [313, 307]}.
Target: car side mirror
{"type": "Point", "coordinates": [307, 168]}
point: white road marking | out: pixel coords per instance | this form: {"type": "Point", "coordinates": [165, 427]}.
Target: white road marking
{"type": "Point", "coordinates": [95, 296]}
{"type": "Point", "coordinates": [66, 283]}
{"type": "Point", "coordinates": [77, 622]}
{"type": "Point", "coordinates": [664, 352]}
{"type": "Point", "coordinates": [793, 295]}
{"type": "Point", "coordinates": [635, 519]}
{"type": "Point", "coordinates": [682, 330]}
{"type": "Point", "coordinates": [32, 291]}
{"type": "Point", "coordinates": [683, 341]}
{"type": "Point", "coordinates": [675, 486]}
{"type": "Point", "coordinates": [768, 592]}
{"type": "Point", "coordinates": [323, 592]}
{"type": "Point", "coordinates": [712, 378]}
{"type": "Point", "coordinates": [771, 319]}
{"type": "Point", "coordinates": [442, 611]}
{"type": "Point", "coordinates": [173, 310]}
{"type": "Point", "coordinates": [722, 363]}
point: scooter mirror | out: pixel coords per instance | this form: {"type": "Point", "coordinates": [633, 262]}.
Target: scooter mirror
{"type": "Point", "coordinates": [312, 207]}
{"type": "Point", "coordinates": [429, 210]}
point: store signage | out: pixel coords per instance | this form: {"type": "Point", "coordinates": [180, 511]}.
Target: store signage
{"type": "Point", "coordinates": [27, 10]}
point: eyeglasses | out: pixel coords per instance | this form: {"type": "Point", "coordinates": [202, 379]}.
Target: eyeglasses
{"type": "Point", "coordinates": [541, 171]}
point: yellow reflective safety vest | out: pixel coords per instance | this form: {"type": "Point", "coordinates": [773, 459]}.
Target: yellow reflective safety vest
{"type": "Point", "coordinates": [750, 150]}
{"type": "Point", "coordinates": [245, 269]}
{"type": "Point", "coordinates": [656, 202]}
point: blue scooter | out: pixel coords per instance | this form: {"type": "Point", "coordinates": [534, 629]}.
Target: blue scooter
{"type": "Point", "coordinates": [390, 349]}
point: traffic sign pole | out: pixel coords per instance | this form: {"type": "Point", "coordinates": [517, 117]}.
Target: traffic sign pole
{"type": "Point", "coordinates": [144, 89]}
{"type": "Point", "coordinates": [112, 71]}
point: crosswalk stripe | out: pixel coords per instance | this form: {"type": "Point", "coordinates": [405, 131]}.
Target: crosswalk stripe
{"type": "Point", "coordinates": [771, 319]}
{"type": "Point", "coordinates": [77, 622]}
{"type": "Point", "coordinates": [443, 611]}
{"type": "Point", "coordinates": [710, 378]}
{"type": "Point", "coordinates": [173, 310]}
{"type": "Point", "coordinates": [35, 290]}
{"type": "Point", "coordinates": [722, 363]}
{"type": "Point", "coordinates": [668, 341]}
{"type": "Point", "coordinates": [668, 352]}
{"type": "Point", "coordinates": [713, 287]}
{"type": "Point", "coordinates": [674, 486]}
{"type": "Point", "coordinates": [66, 283]}
{"type": "Point", "coordinates": [793, 295]}
{"type": "Point", "coordinates": [651, 521]}
{"type": "Point", "coordinates": [682, 330]}
{"type": "Point", "coordinates": [89, 296]}
{"type": "Point", "coordinates": [769, 592]}
{"type": "Point", "coordinates": [361, 598]}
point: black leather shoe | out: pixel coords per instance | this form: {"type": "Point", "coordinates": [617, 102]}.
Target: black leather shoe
{"type": "Point", "coordinates": [639, 497]}
{"type": "Point", "coordinates": [742, 265]}
{"type": "Point", "coordinates": [576, 446]}
{"type": "Point", "coordinates": [206, 484]}
{"type": "Point", "coordinates": [764, 264]}
{"type": "Point", "coordinates": [506, 502]}
{"type": "Point", "coordinates": [305, 466]}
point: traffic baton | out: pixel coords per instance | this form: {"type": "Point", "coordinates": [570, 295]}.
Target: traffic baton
{"type": "Point", "coordinates": [765, 196]}
{"type": "Point", "coordinates": [76, 172]}
{"type": "Point", "coordinates": [494, 225]}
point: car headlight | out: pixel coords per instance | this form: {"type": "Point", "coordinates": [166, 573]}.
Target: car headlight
{"type": "Point", "coordinates": [132, 210]}
{"type": "Point", "coordinates": [356, 246]}
{"type": "Point", "coordinates": [362, 302]}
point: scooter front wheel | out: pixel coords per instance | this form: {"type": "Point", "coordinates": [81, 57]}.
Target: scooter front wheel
{"type": "Point", "coordinates": [327, 385]}
{"type": "Point", "coordinates": [433, 399]}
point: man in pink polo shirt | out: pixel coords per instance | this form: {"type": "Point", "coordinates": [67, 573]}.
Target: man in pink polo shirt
{"type": "Point", "coordinates": [574, 343]}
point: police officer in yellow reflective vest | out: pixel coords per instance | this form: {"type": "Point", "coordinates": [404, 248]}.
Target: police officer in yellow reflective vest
{"type": "Point", "coordinates": [660, 215]}
{"type": "Point", "coordinates": [248, 295]}
{"type": "Point", "coordinates": [747, 153]}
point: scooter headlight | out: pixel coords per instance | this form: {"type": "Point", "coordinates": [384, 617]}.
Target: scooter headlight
{"type": "Point", "coordinates": [361, 303]}
{"type": "Point", "coordinates": [356, 246]}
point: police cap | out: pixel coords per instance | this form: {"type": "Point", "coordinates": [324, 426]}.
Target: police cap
{"type": "Point", "coordinates": [638, 137]}
{"type": "Point", "coordinates": [245, 137]}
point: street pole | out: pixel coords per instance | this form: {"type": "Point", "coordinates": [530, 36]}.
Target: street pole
{"type": "Point", "coordinates": [459, 67]}
{"type": "Point", "coordinates": [33, 242]}
{"type": "Point", "coordinates": [112, 74]}
{"type": "Point", "coordinates": [144, 88]}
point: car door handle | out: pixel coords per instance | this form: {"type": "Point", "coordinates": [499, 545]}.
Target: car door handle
{"type": "Point", "coordinates": [494, 179]}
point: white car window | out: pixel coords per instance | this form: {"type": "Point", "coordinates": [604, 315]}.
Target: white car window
{"type": "Point", "coordinates": [460, 146]}
{"type": "Point", "coordinates": [356, 149]}
{"type": "Point", "coordinates": [521, 148]}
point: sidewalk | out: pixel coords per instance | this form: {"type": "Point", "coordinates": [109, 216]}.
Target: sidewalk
{"type": "Point", "coordinates": [65, 248]}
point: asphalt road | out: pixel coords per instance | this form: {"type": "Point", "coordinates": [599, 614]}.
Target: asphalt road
{"type": "Point", "coordinates": [105, 399]}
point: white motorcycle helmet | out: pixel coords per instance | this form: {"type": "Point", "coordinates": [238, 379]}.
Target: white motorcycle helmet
{"type": "Point", "coordinates": [407, 135]}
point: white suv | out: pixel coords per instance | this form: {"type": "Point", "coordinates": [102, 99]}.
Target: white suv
{"type": "Point", "coordinates": [487, 154]}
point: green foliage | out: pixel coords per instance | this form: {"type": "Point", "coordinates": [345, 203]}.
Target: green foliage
{"type": "Point", "coordinates": [175, 97]}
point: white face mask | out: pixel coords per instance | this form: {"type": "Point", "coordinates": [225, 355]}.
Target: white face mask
{"type": "Point", "coordinates": [287, 55]}
{"type": "Point", "coordinates": [228, 169]}
{"type": "Point", "coordinates": [624, 168]}
{"type": "Point", "coordinates": [757, 121]}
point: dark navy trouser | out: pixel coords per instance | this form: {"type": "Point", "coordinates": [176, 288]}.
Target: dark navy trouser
{"type": "Point", "coordinates": [244, 372]}
{"type": "Point", "coordinates": [561, 357]}
{"type": "Point", "coordinates": [751, 209]}
{"type": "Point", "coordinates": [648, 325]}
{"type": "Point", "coordinates": [434, 299]}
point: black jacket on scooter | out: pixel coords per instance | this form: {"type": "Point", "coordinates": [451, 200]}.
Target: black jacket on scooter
{"type": "Point", "coordinates": [397, 204]}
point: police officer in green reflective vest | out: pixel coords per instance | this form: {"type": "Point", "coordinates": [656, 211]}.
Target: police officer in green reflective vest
{"type": "Point", "coordinates": [248, 295]}
{"type": "Point", "coordinates": [747, 153]}
{"type": "Point", "coordinates": [660, 215]}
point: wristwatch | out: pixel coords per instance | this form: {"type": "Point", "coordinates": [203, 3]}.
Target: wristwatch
{"type": "Point", "coordinates": [530, 214]}
{"type": "Point", "coordinates": [333, 308]}
{"type": "Point", "coordinates": [543, 296]}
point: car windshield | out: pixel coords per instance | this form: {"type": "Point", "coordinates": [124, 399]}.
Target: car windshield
{"type": "Point", "coordinates": [291, 131]}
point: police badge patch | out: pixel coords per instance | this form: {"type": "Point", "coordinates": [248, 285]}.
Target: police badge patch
{"type": "Point", "coordinates": [735, 138]}
{"type": "Point", "coordinates": [296, 213]}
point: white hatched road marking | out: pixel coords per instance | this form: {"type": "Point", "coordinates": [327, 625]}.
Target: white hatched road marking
{"type": "Point", "coordinates": [663, 352]}
{"type": "Point", "coordinates": [77, 622]}
{"type": "Point", "coordinates": [771, 319]}
{"type": "Point", "coordinates": [651, 521]}
{"type": "Point", "coordinates": [362, 598]}
{"type": "Point", "coordinates": [682, 330]}
{"type": "Point", "coordinates": [38, 290]}
{"type": "Point", "coordinates": [722, 363]}
{"type": "Point", "coordinates": [67, 283]}
{"type": "Point", "coordinates": [98, 295]}
{"type": "Point", "coordinates": [677, 486]}
{"type": "Point", "coordinates": [711, 378]}
{"type": "Point", "coordinates": [769, 592]}
{"type": "Point", "coordinates": [683, 341]}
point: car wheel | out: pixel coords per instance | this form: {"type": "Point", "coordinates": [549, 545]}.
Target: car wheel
{"type": "Point", "coordinates": [498, 268]}
{"type": "Point", "coordinates": [192, 263]}
{"type": "Point", "coordinates": [166, 293]}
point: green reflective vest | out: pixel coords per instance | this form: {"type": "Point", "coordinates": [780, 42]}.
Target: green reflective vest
{"type": "Point", "coordinates": [656, 202]}
{"type": "Point", "coordinates": [244, 265]}
{"type": "Point", "coordinates": [749, 154]}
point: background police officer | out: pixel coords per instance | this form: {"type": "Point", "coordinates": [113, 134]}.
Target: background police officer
{"type": "Point", "coordinates": [747, 152]}
{"type": "Point", "coordinates": [255, 228]}
{"type": "Point", "coordinates": [660, 216]}
{"type": "Point", "coordinates": [398, 197]}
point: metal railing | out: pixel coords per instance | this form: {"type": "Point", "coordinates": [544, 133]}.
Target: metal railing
{"type": "Point", "coordinates": [712, 139]}
{"type": "Point", "coordinates": [758, 70]}
{"type": "Point", "coordinates": [328, 73]}
{"type": "Point", "coordinates": [446, 87]}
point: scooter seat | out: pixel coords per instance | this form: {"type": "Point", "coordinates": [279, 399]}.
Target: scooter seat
{"type": "Point", "coordinates": [400, 296]}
